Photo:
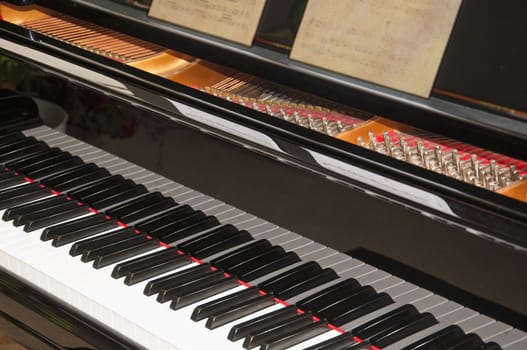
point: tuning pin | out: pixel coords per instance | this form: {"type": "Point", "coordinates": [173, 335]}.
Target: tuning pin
{"type": "Point", "coordinates": [402, 141]}
{"type": "Point", "coordinates": [494, 170]}
{"type": "Point", "coordinates": [420, 149]}
{"type": "Point", "coordinates": [406, 151]}
{"type": "Point", "coordinates": [426, 160]}
{"type": "Point", "coordinates": [387, 143]}
{"type": "Point", "coordinates": [502, 182]}
{"type": "Point", "coordinates": [339, 125]}
{"type": "Point", "coordinates": [465, 174]}
{"type": "Point", "coordinates": [283, 114]}
{"type": "Point", "coordinates": [296, 117]}
{"type": "Point", "coordinates": [326, 127]}
{"type": "Point", "coordinates": [439, 155]}
{"type": "Point", "coordinates": [311, 122]}
{"type": "Point", "coordinates": [361, 143]}
{"type": "Point", "coordinates": [373, 141]}
{"type": "Point", "coordinates": [475, 165]}
{"type": "Point", "coordinates": [269, 110]}
{"type": "Point", "coordinates": [484, 182]}
{"type": "Point", "coordinates": [332, 128]}
{"type": "Point", "coordinates": [457, 160]}
{"type": "Point", "coordinates": [512, 172]}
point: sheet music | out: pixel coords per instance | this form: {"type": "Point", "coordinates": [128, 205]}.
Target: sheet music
{"type": "Point", "coordinates": [395, 43]}
{"type": "Point", "coordinates": [235, 20]}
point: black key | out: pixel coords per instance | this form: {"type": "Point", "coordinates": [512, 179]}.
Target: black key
{"type": "Point", "coordinates": [224, 303]}
{"type": "Point", "coordinates": [155, 270]}
{"type": "Point", "coordinates": [11, 137]}
{"type": "Point", "coordinates": [25, 198]}
{"type": "Point", "coordinates": [169, 225]}
{"type": "Point", "coordinates": [198, 241]}
{"type": "Point", "coordinates": [69, 175]}
{"type": "Point", "coordinates": [39, 164]}
{"type": "Point", "coordinates": [164, 218]}
{"type": "Point", "coordinates": [491, 346]}
{"type": "Point", "coordinates": [359, 346]}
{"type": "Point", "coordinates": [105, 190]}
{"type": "Point", "coordinates": [383, 322]}
{"type": "Point", "coordinates": [43, 212]}
{"type": "Point", "coordinates": [125, 196]}
{"type": "Point", "coordinates": [295, 336]}
{"type": "Point", "coordinates": [17, 145]}
{"type": "Point", "coordinates": [81, 233]}
{"type": "Point", "coordinates": [205, 241]}
{"type": "Point", "coordinates": [57, 168]}
{"type": "Point", "coordinates": [285, 279]}
{"type": "Point", "coordinates": [120, 243]}
{"type": "Point", "coordinates": [146, 261]}
{"type": "Point", "coordinates": [98, 241]}
{"type": "Point", "coordinates": [328, 295]}
{"type": "Point", "coordinates": [469, 342]}
{"type": "Point", "coordinates": [70, 226]}
{"type": "Point", "coordinates": [195, 223]}
{"type": "Point", "coordinates": [13, 181]}
{"type": "Point", "coordinates": [137, 204]}
{"type": "Point", "coordinates": [281, 262]}
{"type": "Point", "coordinates": [23, 124]}
{"type": "Point", "coordinates": [30, 159]}
{"type": "Point", "coordinates": [81, 181]}
{"type": "Point", "coordinates": [11, 213]}
{"type": "Point", "coordinates": [239, 310]}
{"type": "Point", "coordinates": [157, 285]}
{"type": "Point", "coordinates": [52, 219]}
{"type": "Point", "coordinates": [7, 174]}
{"type": "Point", "coordinates": [339, 342]}
{"type": "Point", "coordinates": [265, 322]}
{"type": "Point", "coordinates": [374, 303]}
{"type": "Point", "coordinates": [189, 283]}
{"type": "Point", "coordinates": [222, 245]}
{"type": "Point", "coordinates": [299, 321]}
{"type": "Point", "coordinates": [14, 192]}
{"type": "Point", "coordinates": [257, 261]}
{"type": "Point", "coordinates": [352, 300]}
{"type": "Point", "coordinates": [203, 291]}
{"type": "Point", "coordinates": [403, 330]}
{"type": "Point", "coordinates": [162, 205]}
{"type": "Point", "coordinates": [431, 341]}
{"type": "Point", "coordinates": [243, 329]}
{"type": "Point", "coordinates": [124, 250]}
{"type": "Point", "coordinates": [241, 255]}
{"type": "Point", "coordinates": [23, 153]}
{"type": "Point", "coordinates": [22, 194]}
{"type": "Point", "coordinates": [301, 286]}
{"type": "Point", "coordinates": [96, 187]}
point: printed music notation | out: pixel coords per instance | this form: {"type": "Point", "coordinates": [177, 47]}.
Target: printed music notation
{"type": "Point", "coordinates": [235, 20]}
{"type": "Point", "coordinates": [395, 43]}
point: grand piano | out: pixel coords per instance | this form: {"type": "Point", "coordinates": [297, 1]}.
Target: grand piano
{"type": "Point", "coordinates": [226, 196]}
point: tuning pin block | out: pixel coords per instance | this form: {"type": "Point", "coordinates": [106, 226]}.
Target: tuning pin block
{"type": "Point", "coordinates": [278, 105]}
{"type": "Point", "coordinates": [469, 168]}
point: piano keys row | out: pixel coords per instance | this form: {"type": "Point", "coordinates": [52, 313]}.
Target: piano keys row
{"type": "Point", "coordinates": [233, 280]}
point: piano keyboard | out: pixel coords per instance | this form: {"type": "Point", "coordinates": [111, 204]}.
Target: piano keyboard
{"type": "Point", "coordinates": [171, 268]}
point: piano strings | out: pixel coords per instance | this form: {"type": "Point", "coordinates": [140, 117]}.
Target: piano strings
{"type": "Point", "coordinates": [482, 168]}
